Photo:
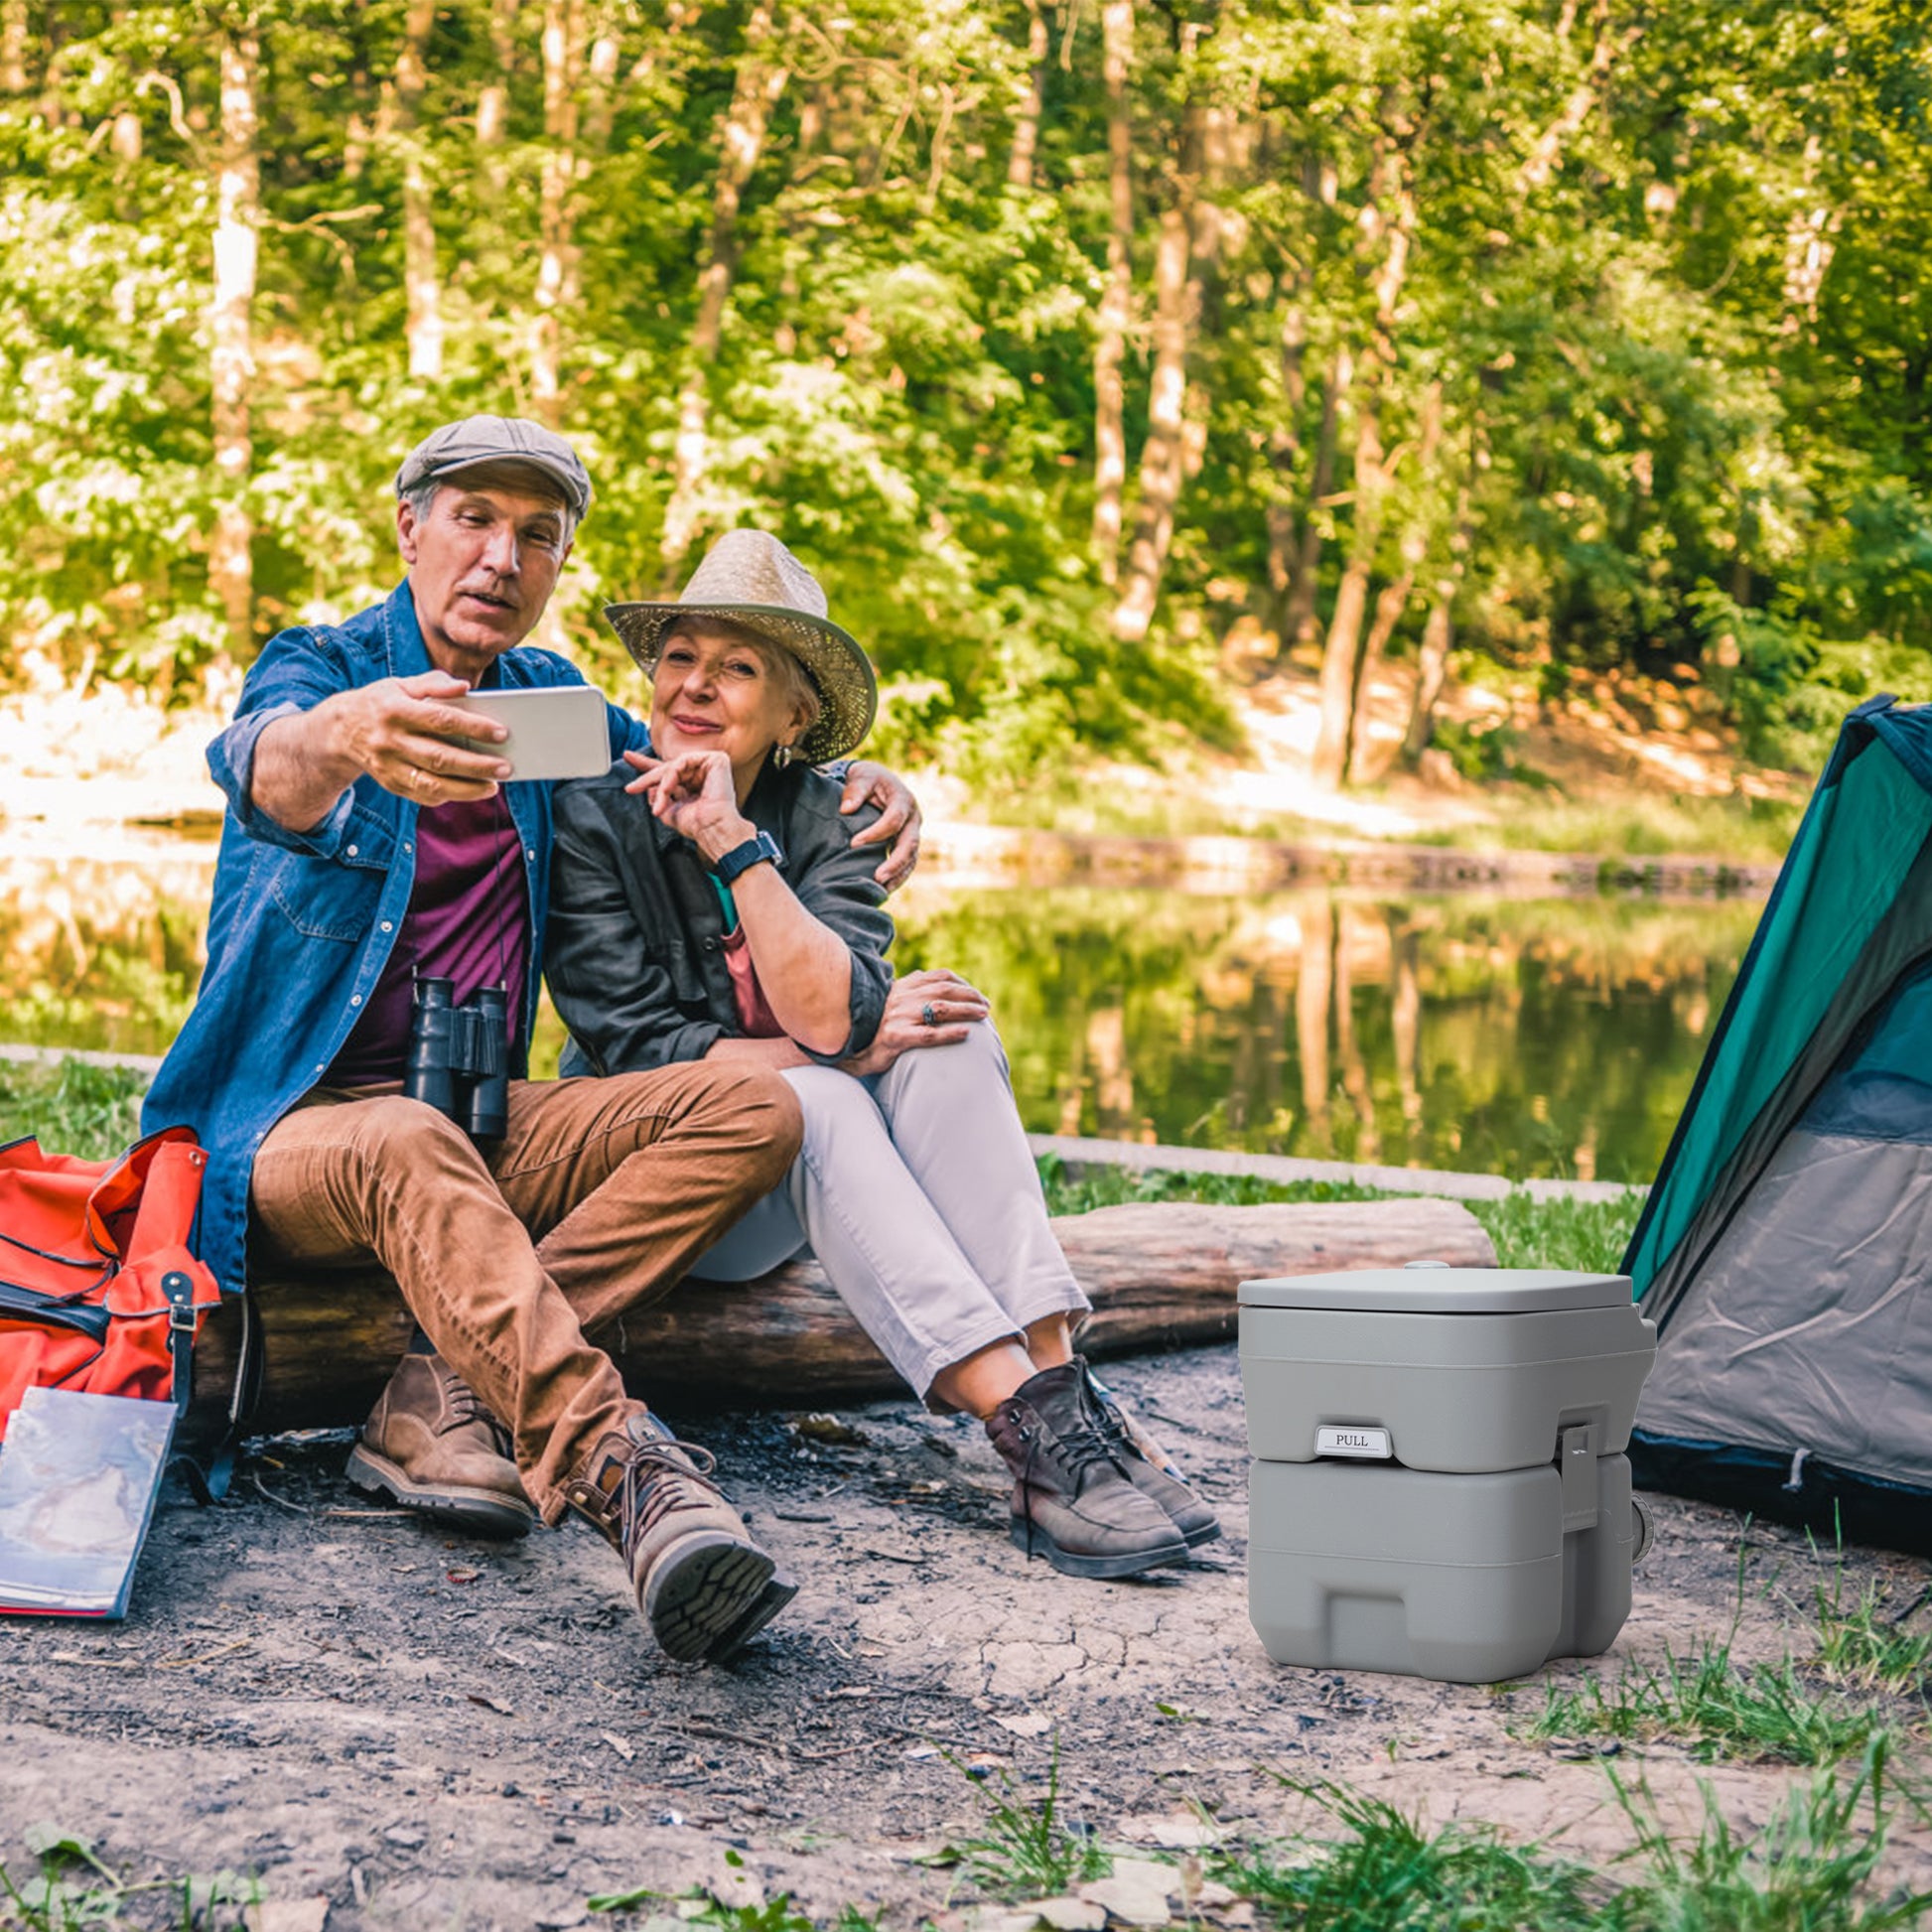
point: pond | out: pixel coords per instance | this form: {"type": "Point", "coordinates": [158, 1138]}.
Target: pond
{"type": "Point", "coordinates": [1518, 1036]}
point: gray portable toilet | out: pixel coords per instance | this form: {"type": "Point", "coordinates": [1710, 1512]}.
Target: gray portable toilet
{"type": "Point", "coordinates": [1440, 1486]}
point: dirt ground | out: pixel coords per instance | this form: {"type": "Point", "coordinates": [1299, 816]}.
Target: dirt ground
{"type": "Point", "coordinates": [426, 1731]}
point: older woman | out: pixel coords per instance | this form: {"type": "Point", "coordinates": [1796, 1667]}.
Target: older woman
{"type": "Point", "coordinates": [709, 906]}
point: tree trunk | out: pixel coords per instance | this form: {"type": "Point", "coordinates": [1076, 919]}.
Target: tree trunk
{"type": "Point", "coordinates": [1549, 144]}
{"type": "Point", "coordinates": [1298, 627]}
{"type": "Point", "coordinates": [1117, 299]}
{"type": "Point", "coordinates": [1033, 99]}
{"type": "Point", "coordinates": [14, 78]}
{"type": "Point", "coordinates": [1432, 657]}
{"type": "Point", "coordinates": [421, 287]}
{"type": "Point", "coordinates": [493, 102]}
{"type": "Point", "coordinates": [1394, 598]}
{"type": "Point", "coordinates": [754, 92]}
{"type": "Point", "coordinates": [1388, 219]}
{"type": "Point", "coordinates": [233, 364]}
{"type": "Point", "coordinates": [562, 54]}
{"type": "Point", "coordinates": [1190, 235]}
{"type": "Point", "coordinates": [1160, 455]}
{"type": "Point", "coordinates": [1159, 1274]}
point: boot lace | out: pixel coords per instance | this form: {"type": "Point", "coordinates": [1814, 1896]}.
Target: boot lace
{"type": "Point", "coordinates": [659, 1476]}
{"type": "Point", "coordinates": [463, 1406]}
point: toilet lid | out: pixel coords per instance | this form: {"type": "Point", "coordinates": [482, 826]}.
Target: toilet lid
{"type": "Point", "coordinates": [1442, 1290]}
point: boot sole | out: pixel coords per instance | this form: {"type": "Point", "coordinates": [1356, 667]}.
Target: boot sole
{"type": "Point", "coordinates": [708, 1596]}
{"type": "Point", "coordinates": [1035, 1541]}
{"type": "Point", "coordinates": [1195, 1538]}
{"type": "Point", "coordinates": [482, 1511]}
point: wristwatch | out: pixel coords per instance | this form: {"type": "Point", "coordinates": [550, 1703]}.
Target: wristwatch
{"type": "Point", "coordinates": [742, 858]}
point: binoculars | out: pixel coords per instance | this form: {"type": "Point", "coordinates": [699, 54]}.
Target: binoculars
{"type": "Point", "coordinates": [459, 1056]}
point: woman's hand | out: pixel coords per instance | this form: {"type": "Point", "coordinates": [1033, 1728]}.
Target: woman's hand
{"type": "Point", "coordinates": [934, 1008]}
{"type": "Point", "coordinates": [694, 794]}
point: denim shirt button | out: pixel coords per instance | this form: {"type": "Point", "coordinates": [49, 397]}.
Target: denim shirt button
{"type": "Point", "coordinates": [353, 851]}
{"type": "Point", "coordinates": [407, 847]}
{"type": "Point", "coordinates": [355, 999]}
{"type": "Point", "coordinates": [388, 925]}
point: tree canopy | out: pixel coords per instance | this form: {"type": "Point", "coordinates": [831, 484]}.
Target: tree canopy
{"type": "Point", "coordinates": [1065, 338]}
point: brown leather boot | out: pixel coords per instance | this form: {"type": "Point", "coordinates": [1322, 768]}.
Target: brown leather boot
{"type": "Point", "coordinates": [1142, 1461]}
{"type": "Point", "coordinates": [703, 1586]}
{"type": "Point", "coordinates": [431, 1444]}
{"type": "Point", "coordinates": [1071, 1503]}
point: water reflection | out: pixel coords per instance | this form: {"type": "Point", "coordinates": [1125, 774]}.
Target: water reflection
{"type": "Point", "coordinates": [1514, 1037]}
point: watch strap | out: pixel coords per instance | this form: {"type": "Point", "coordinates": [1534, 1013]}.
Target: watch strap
{"type": "Point", "coordinates": [728, 866]}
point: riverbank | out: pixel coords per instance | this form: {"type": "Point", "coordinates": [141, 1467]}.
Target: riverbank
{"type": "Point", "coordinates": [1629, 789]}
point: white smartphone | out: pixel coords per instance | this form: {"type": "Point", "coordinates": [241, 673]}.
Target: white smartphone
{"type": "Point", "coordinates": [555, 733]}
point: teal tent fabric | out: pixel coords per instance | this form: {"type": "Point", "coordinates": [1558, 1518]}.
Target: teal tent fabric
{"type": "Point", "coordinates": [1785, 1252]}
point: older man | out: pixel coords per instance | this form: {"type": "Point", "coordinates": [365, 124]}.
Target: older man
{"type": "Point", "coordinates": [368, 844]}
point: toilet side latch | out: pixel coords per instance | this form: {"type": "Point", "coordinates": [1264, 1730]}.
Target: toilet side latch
{"type": "Point", "coordinates": [1576, 1466]}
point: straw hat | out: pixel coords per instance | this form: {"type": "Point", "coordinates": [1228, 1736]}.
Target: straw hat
{"type": "Point", "coordinates": [750, 579]}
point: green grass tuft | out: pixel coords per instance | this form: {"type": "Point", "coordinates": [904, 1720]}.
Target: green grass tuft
{"type": "Point", "coordinates": [1813, 1868]}
{"type": "Point", "coordinates": [1759, 1713]}
{"type": "Point", "coordinates": [1389, 1874]}
{"type": "Point", "coordinates": [1027, 1848]}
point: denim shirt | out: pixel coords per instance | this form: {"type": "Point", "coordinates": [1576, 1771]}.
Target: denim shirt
{"type": "Point", "coordinates": [303, 922]}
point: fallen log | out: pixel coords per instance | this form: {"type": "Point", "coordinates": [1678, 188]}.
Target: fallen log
{"type": "Point", "coordinates": [1159, 1274]}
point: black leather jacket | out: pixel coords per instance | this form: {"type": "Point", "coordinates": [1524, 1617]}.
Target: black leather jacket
{"type": "Point", "coordinates": [636, 955]}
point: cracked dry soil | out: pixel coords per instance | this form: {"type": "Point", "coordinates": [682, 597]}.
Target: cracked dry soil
{"type": "Point", "coordinates": [430, 1732]}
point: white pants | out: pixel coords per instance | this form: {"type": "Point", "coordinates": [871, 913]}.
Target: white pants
{"type": "Point", "coordinates": [917, 1194]}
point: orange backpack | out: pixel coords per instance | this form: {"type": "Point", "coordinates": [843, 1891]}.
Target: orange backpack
{"type": "Point", "coordinates": [99, 1289]}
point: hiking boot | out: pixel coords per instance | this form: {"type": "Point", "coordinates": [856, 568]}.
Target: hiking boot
{"type": "Point", "coordinates": [431, 1444]}
{"type": "Point", "coordinates": [703, 1586]}
{"type": "Point", "coordinates": [1071, 1502]}
{"type": "Point", "coordinates": [1145, 1463]}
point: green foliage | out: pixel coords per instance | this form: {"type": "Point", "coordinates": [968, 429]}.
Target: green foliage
{"type": "Point", "coordinates": [1559, 1232]}
{"type": "Point", "coordinates": [1671, 339]}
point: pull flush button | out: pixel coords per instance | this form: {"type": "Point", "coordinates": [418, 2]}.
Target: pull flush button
{"type": "Point", "coordinates": [1346, 1439]}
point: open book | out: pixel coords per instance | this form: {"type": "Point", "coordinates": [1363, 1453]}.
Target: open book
{"type": "Point", "coordinates": [78, 1478]}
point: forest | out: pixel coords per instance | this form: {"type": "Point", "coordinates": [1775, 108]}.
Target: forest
{"type": "Point", "coordinates": [1082, 347]}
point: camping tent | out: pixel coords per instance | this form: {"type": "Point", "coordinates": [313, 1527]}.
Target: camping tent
{"type": "Point", "coordinates": [1785, 1252]}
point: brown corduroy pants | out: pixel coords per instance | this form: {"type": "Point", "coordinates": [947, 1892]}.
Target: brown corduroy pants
{"type": "Point", "coordinates": [595, 1202]}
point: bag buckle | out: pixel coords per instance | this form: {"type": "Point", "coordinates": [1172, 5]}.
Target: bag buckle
{"type": "Point", "coordinates": [180, 1290]}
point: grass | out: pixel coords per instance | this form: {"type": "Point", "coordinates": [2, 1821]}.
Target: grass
{"type": "Point", "coordinates": [1528, 1233]}
{"type": "Point", "coordinates": [75, 1888]}
{"type": "Point", "coordinates": [1862, 1641]}
{"type": "Point", "coordinates": [1025, 1848]}
{"type": "Point", "coordinates": [1388, 1874]}
{"type": "Point", "coordinates": [74, 1108]}
{"type": "Point", "coordinates": [1769, 1712]}
{"type": "Point", "coordinates": [1815, 1867]}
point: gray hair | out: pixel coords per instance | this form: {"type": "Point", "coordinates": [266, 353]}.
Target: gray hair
{"type": "Point", "coordinates": [421, 498]}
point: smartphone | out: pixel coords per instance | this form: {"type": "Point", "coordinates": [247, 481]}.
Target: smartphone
{"type": "Point", "coordinates": [556, 733]}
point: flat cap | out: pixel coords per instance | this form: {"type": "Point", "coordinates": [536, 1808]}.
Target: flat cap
{"type": "Point", "coordinates": [478, 440]}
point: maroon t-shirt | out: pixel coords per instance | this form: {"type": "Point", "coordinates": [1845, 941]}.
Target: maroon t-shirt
{"type": "Point", "coordinates": [468, 920]}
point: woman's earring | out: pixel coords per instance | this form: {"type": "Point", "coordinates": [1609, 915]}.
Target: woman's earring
{"type": "Point", "coordinates": [783, 756]}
